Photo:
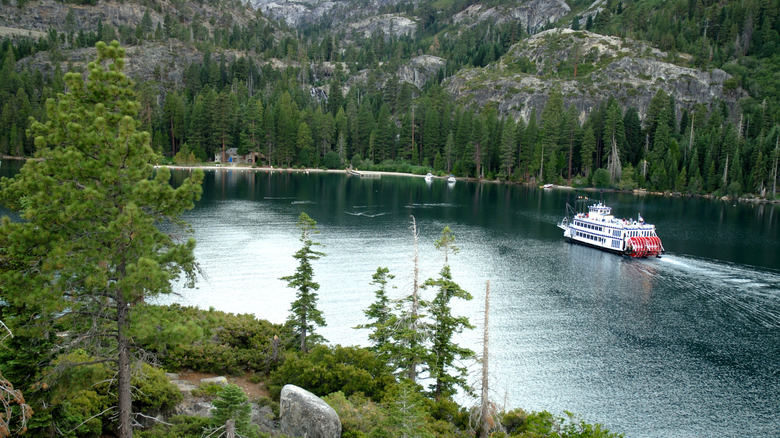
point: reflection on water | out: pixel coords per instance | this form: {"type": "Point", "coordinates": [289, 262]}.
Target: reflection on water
{"type": "Point", "coordinates": [683, 346]}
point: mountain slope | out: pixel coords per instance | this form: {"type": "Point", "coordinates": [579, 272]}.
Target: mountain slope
{"type": "Point", "coordinates": [588, 69]}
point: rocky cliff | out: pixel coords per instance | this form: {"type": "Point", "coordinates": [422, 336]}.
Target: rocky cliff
{"type": "Point", "coordinates": [532, 15]}
{"type": "Point", "coordinates": [587, 68]}
{"type": "Point", "coordinates": [42, 15]}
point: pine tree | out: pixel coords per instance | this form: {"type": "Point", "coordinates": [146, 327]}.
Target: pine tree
{"type": "Point", "coordinates": [449, 152]}
{"type": "Point", "coordinates": [406, 414]}
{"type": "Point", "coordinates": [508, 147]}
{"type": "Point", "coordinates": [233, 404]}
{"type": "Point", "coordinates": [304, 313]}
{"type": "Point", "coordinates": [549, 138]}
{"type": "Point", "coordinates": [410, 330]}
{"type": "Point", "coordinates": [91, 207]}
{"type": "Point", "coordinates": [252, 133]}
{"type": "Point", "coordinates": [380, 313]}
{"type": "Point", "coordinates": [224, 119]}
{"type": "Point", "coordinates": [588, 148]}
{"type": "Point", "coordinates": [306, 154]}
{"type": "Point", "coordinates": [445, 356]}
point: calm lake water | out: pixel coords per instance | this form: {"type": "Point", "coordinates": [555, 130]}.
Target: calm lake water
{"type": "Point", "coordinates": [683, 346]}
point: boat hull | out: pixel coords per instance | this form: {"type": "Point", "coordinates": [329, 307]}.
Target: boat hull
{"type": "Point", "coordinates": [613, 251]}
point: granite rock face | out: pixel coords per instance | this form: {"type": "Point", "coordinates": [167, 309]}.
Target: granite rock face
{"type": "Point", "coordinates": [587, 69]}
{"type": "Point", "coordinates": [532, 15]}
{"type": "Point", "coordinates": [420, 69]}
{"type": "Point", "coordinates": [302, 413]}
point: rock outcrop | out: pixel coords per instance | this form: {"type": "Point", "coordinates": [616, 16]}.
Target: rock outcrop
{"type": "Point", "coordinates": [420, 69]}
{"type": "Point", "coordinates": [587, 69]}
{"type": "Point", "coordinates": [42, 15]}
{"type": "Point", "coordinates": [387, 24]}
{"type": "Point", "coordinates": [295, 13]}
{"type": "Point", "coordinates": [532, 15]}
{"type": "Point", "coordinates": [302, 413]}
{"type": "Point", "coordinates": [219, 381]}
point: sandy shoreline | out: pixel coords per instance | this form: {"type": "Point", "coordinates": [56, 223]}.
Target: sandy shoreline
{"type": "Point", "coordinates": [231, 168]}
{"type": "Point", "coordinates": [290, 170]}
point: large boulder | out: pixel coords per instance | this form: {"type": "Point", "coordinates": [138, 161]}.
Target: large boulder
{"type": "Point", "coordinates": [219, 381]}
{"type": "Point", "coordinates": [303, 414]}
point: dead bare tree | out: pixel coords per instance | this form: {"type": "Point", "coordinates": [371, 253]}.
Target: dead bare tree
{"type": "Point", "coordinates": [10, 397]}
{"type": "Point", "coordinates": [412, 372]}
{"type": "Point", "coordinates": [486, 417]}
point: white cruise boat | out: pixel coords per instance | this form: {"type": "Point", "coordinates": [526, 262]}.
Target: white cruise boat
{"type": "Point", "coordinates": [600, 229]}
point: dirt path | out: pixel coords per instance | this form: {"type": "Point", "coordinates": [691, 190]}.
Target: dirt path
{"type": "Point", "coordinates": [252, 390]}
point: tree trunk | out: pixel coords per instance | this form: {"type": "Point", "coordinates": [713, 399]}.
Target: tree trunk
{"type": "Point", "coordinates": [571, 148]}
{"type": "Point", "coordinates": [412, 372]}
{"type": "Point", "coordinates": [230, 428]}
{"type": "Point", "coordinates": [124, 394]}
{"type": "Point", "coordinates": [303, 333]}
{"type": "Point", "coordinates": [173, 144]}
{"type": "Point", "coordinates": [485, 408]}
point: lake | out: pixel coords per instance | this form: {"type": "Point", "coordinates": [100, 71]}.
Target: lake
{"type": "Point", "coordinates": [686, 345]}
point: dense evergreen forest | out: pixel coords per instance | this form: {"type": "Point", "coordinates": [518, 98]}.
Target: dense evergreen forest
{"type": "Point", "coordinates": [227, 100]}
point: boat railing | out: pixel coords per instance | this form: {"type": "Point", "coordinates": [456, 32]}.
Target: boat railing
{"type": "Point", "coordinates": [564, 223]}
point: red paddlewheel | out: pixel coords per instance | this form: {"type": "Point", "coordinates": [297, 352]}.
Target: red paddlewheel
{"type": "Point", "coordinates": [644, 246]}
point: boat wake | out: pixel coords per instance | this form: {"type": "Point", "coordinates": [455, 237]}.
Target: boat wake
{"type": "Point", "coordinates": [434, 205]}
{"type": "Point", "coordinates": [751, 294]}
{"type": "Point", "coordinates": [365, 214]}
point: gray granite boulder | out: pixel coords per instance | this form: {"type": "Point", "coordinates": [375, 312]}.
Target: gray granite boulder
{"type": "Point", "coordinates": [221, 381]}
{"type": "Point", "coordinates": [303, 414]}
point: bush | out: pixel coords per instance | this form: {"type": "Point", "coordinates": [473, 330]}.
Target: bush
{"type": "Point", "coordinates": [579, 181]}
{"type": "Point", "coordinates": [601, 179]}
{"type": "Point", "coordinates": [207, 341]}
{"type": "Point", "coordinates": [325, 370]}
{"type": "Point", "coordinates": [207, 390]}
{"type": "Point", "coordinates": [358, 415]}
{"type": "Point", "coordinates": [517, 422]}
{"type": "Point", "coordinates": [155, 392]}
{"type": "Point", "coordinates": [734, 189]}
{"type": "Point", "coordinates": [180, 426]}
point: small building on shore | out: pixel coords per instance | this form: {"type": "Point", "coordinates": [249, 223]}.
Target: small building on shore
{"type": "Point", "coordinates": [232, 156]}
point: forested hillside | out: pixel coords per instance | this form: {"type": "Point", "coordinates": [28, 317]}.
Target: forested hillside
{"type": "Point", "coordinates": [378, 91]}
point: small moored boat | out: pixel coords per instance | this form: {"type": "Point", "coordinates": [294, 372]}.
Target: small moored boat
{"type": "Point", "coordinates": [429, 176]}
{"type": "Point", "coordinates": [600, 229]}
{"type": "Point", "coordinates": [451, 179]}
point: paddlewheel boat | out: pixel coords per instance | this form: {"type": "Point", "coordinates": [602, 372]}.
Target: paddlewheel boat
{"type": "Point", "coordinates": [600, 229]}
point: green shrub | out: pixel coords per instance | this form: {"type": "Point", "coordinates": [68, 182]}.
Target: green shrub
{"type": "Point", "coordinates": [518, 422]}
{"type": "Point", "coordinates": [179, 426]}
{"type": "Point", "coordinates": [325, 370]}
{"type": "Point", "coordinates": [601, 178]}
{"type": "Point", "coordinates": [579, 181]}
{"type": "Point", "coordinates": [358, 415]}
{"type": "Point", "coordinates": [734, 189]}
{"type": "Point", "coordinates": [206, 341]}
{"type": "Point", "coordinates": [207, 390]}
{"type": "Point", "coordinates": [154, 391]}
{"type": "Point", "coordinates": [267, 401]}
